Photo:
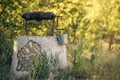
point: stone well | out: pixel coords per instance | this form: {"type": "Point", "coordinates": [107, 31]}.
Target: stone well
{"type": "Point", "coordinates": [27, 47]}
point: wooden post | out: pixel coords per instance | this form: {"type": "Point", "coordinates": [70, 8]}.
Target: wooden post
{"type": "Point", "coordinates": [53, 27]}
{"type": "Point", "coordinates": [26, 28]}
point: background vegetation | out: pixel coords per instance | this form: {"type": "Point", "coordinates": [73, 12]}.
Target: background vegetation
{"type": "Point", "coordinates": [93, 27]}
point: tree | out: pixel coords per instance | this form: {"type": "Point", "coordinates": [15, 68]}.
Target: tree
{"type": "Point", "coordinates": [102, 22]}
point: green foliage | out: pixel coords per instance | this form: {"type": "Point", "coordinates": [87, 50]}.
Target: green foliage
{"type": "Point", "coordinates": [87, 21]}
{"type": "Point", "coordinates": [5, 54]}
{"type": "Point", "coordinates": [97, 65]}
{"type": "Point", "coordinates": [43, 65]}
{"type": "Point", "coordinates": [106, 67]}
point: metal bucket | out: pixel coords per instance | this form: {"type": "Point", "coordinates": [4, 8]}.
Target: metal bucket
{"type": "Point", "coordinates": [62, 39]}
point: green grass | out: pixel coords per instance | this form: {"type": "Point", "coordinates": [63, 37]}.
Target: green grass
{"type": "Point", "coordinates": [43, 66]}
{"type": "Point", "coordinates": [99, 64]}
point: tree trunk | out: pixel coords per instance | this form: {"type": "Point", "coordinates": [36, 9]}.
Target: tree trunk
{"type": "Point", "coordinates": [111, 38]}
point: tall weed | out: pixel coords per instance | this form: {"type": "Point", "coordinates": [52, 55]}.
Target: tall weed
{"type": "Point", "coordinates": [43, 65]}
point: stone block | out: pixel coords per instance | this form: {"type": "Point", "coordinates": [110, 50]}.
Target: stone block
{"type": "Point", "coordinates": [26, 48]}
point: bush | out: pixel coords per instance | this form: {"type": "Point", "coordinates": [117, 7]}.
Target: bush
{"type": "Point", "coordinates": [6, 46]}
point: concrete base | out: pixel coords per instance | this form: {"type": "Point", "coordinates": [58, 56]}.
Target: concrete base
{"type": "Point", "coordinates": [27, 47]}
